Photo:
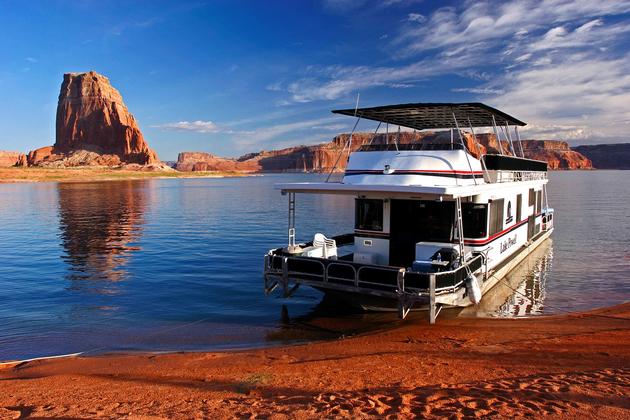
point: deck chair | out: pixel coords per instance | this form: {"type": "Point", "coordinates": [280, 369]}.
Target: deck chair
{"type": "Point", "coordinates": [323, 247]}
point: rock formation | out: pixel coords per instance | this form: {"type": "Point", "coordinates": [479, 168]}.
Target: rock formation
{"type": "Point", "coordinates": [556, 153]}
{"type": "Point", "coordinates": [12, 159]}
{"type": "Point", "coordinates": [199, 161]}
{"type": "Point", "coordinates": [93, 127]}
{"type": "Point", "coordinates": [322, 157]}
{"type": "Point", "coordinates": [607, 156]}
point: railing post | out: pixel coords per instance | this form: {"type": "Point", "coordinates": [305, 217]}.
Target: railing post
{"type": "Point", "coordinates": [285, 275]}
{"type": "Point", "coordinates": [432, 309]}
{"type": "Point", "coordinates": [400, 278]}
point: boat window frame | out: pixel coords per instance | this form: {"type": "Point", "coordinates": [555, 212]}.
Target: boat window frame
{"type": "Point", "coordinates": [496, 213]}
{"type": "Point", "coordinates": [466, 224]}
{"type": "Point", "coordinates": [380, 208]}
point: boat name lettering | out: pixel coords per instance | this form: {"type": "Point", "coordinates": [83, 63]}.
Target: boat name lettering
{"type": "Point", "coordinates": [508, 243]}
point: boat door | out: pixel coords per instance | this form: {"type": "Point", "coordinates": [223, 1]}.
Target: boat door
{"type": "Point", "coordinates": [413, 221]}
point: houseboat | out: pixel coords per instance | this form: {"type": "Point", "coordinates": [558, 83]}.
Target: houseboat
{"type": "Point", "coordinates": [437, 224]}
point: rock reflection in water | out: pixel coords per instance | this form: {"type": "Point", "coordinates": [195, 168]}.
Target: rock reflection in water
{"type": "Point", "coordinates": [99, 222]}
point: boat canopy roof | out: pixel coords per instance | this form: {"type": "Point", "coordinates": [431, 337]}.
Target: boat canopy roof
{"type": "Point", "coordinates": [422, 116]}
{"type": "Point", "coordinates": [395, 190]}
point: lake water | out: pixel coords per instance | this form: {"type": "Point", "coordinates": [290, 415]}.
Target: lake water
{"type": "Point", "coordinates": [176, 264]}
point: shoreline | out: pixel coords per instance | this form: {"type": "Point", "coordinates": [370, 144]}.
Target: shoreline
{"type": "Point", "coordinates": [15, 175]}
{"type": "Point", "coordinates": [558, 365]}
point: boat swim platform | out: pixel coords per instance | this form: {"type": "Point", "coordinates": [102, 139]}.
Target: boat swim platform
{"type": "Point", "coordinates": [407, 289]}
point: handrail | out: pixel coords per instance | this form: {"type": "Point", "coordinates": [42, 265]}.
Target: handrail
{"type": "Point", "coordinates": [354, 270]}
{"type": "Point", "coordinates": [357, 273]}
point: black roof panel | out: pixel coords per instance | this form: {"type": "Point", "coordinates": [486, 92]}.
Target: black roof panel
{"type": "Point", "coordinates": [422, 116]}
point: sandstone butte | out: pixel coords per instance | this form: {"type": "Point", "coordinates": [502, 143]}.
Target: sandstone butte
{"type": "Point", "coordinates": [323, 157]}
{"type": "Point", "coordinates": [93, 127]}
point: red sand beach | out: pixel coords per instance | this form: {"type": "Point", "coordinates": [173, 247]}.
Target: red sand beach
{"type": "Point", "coordinates": [567, 366]}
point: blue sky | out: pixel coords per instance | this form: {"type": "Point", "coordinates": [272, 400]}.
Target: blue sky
{"type": "Point", "coordinates": [231, 77]}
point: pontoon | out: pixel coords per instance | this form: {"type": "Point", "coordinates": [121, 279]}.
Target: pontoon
{"type": "Point", "coordinates": [436, 224]}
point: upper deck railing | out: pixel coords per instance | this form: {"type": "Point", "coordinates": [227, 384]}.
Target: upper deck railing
{"type": "Point", "coordinates": [494, 177]}
{"type": "Point", "coordinates": [409, 146]}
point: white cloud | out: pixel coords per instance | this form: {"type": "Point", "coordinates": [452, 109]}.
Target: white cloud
{"type": "Point", "coordinates": [31, 60]}
{"type": "Point", "coordinates": [416, 17]}
{"type": "Point", "coordinates": [555, 63]}
{"type": "Point", "coordinates": [261, 135]}
{"type": "Point", "coordinates": [195, 126]}
{"type": "Point", "coordinates": [578, 96]}
{"type": "Point", "coordinates": [275, 87]}
{"type": "Point", "coordinates": [330, 127]}
{"type": "Point", "coordinates": [482, 91]}
{"type": "Point", "coordinates": [339, 80]}
{"type": "Point", "coordinates": [489, 22]}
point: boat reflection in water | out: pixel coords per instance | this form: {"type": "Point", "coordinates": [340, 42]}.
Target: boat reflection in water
{"type": "Point", "coordinates": [99, 223]}
{"type": "Point", "coordinates": [521, 292]}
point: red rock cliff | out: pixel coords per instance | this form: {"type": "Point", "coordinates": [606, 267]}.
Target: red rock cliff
{"type": "Point", "coordinates": [91, 116]}
{"type": "Point", "coordinates": [12, 159]}
{"type": "Point", "coordinates": [556, 153]}
{"type": "Point", "coordinates": [322, 157]}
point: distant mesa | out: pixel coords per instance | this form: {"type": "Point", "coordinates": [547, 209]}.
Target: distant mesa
{"type": "Point", "coordinates": [12, 159]}
{"type": "Point", "coordinates": [322, 157]}
{"type": "Point", "coordinates": [607, 156]}
{"type": "Point", "coordinates": [93, 128]}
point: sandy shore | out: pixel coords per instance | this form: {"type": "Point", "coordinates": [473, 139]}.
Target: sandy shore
{"type": "Point", "coordinates": [12, 175]}
{"type": "Point", "coordinates": [562, 366]}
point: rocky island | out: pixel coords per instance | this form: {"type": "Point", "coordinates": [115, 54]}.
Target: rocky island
{"type": "Point", "coordinates": [93, 128]}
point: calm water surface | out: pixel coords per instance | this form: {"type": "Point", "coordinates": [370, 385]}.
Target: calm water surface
{"type": "Point", "coordinates": [176, 264]}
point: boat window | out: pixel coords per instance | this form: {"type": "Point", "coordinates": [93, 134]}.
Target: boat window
{"type": "Point", "coordinates": [496, 216]}
{"type": "Point", "coordinates": [532, 197]}
{"type": "Point", "coordinates": [475, 219]}
{"type": "Point", "coordinates": [519, 205]}
{"type": "Point", "coordinates": [369, 214]}
{"type": "Point", "coordinates": [415, 221]}
{"type": "Point", "coordinates": [538, 201]}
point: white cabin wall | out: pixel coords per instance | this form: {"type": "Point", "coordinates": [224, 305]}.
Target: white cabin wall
{"type": "Point", "coordinates": [506, 245]}
{"type": "Point", "coordinates": [374, 249]}
{"type": "Point", "coordinates": [371, 250]}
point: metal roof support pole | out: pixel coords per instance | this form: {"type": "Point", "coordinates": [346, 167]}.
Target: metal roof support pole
{"type": "Point", "coordinates": [461, 139]}
{"type": "Point", "coordinates": [518, 138]}
{"type": "Point", "coordinates": [291, 229]}
{"type": "Point", "coordinates": [386, 133]}
{"type": "Point", "coordinates": [348, 143]}
{"type": "Point", "coordinates": [509, 138]}
{"type": "Point", "coordinates": [375, 132]}
{"type": "Point", "coordinates": [483, 163]}
{"type": "Point", "coordinates": [496, 134]}
{"type": "Point", "coordinates": [397, 139]}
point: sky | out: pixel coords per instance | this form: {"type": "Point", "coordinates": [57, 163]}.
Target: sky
{"type": "Point", "coordinates": [231, 77]}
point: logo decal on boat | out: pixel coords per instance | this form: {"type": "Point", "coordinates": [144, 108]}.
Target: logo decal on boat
{"type": "Point", "coordinates": [509, 213]}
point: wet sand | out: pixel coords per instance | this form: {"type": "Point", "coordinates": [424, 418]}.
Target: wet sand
{"type": "Point", "coordinates": [566, 366]}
